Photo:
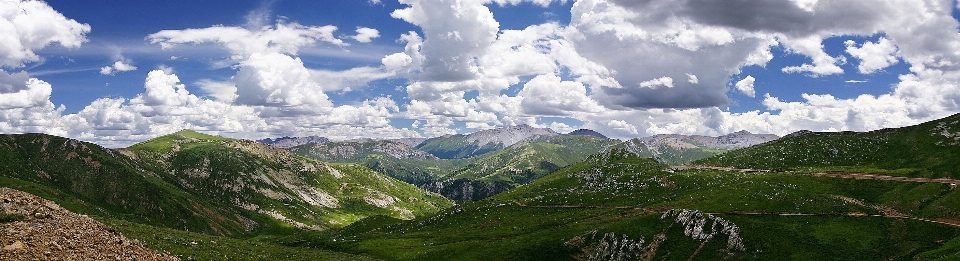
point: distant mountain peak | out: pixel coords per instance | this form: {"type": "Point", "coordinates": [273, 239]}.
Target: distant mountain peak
{"type": "Point", "coordinates": [289, 142]}
{"type": "Point", "coordinates": [507, 135]}
{"type": "Point", "coordinates": [463, 146]}
{"type": "Point", "coordinates": [587, 132]}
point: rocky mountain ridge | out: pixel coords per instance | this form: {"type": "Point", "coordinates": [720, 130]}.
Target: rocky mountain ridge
{"type": "Point", "coordinates": [734, 140]}
{"type": "Point", "coordinates": [677, 149]}
{"type": "Point", "coordinates": [288, 142]}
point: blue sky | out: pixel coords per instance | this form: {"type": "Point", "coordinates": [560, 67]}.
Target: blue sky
{"type": "Point", "coordinates": [117, 73]}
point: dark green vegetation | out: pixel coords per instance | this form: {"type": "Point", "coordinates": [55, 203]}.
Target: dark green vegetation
{"type": "Point", "coordinates": [201, 183]}
{"type": "Point", "coordinates": [471, 178]}
{"type": "Point", "coordinates": [929, 150]}
{"type": "Point", "coordinates": [10, 217]}
{"type": "Point", "coordinates": [198, 246]}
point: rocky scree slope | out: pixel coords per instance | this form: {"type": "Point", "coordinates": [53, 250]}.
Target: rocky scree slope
{"type": "Point", "coordinates": [42, 230]}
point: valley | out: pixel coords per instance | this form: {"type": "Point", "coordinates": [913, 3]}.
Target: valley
{"type": "Point", "coordinates": [516, 193]}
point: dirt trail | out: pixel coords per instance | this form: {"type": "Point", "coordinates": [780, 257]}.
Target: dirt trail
{"type": "Point", "coordinates": [845, 175]}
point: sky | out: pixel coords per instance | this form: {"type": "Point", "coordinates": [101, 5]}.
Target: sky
{"type": "Point", "coordinates": [120, 72]}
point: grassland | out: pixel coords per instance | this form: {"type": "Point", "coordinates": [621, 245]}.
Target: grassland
{"type": "Point", "coordinates": [618, 199]}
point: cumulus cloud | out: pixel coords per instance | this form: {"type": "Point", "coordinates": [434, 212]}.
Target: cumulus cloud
{"type": "Point", "coordinates": [873, 56]}
{"type": "Point", "coordinates": [277, 80]}
{"type": "Point", "coordinates": [366, 35]}
{"type": "Point", "coordinates": [34, 93]}
{"type": "Point", "coordinates": [622, 126]}
{"type": "Point", "coordinates": [31, 25]}
{"type": "Point", "coordinates": [457, 32]}
{"type": "Point", "coordinates": [13, 82]}
{"type": "Point", "coordinates": [746, 86]}
{"type": "Point", "coordinates": [548, 95]}
{"type": "Point", "coordinates": [118, 66]}
{"type": "Point", "coordinates": [625, 68]}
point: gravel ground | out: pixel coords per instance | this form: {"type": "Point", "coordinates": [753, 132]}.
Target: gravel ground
{"type": "Point", "coordinates": [50, 232]}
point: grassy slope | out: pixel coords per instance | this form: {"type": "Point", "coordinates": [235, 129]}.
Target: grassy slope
{"type": "Point", "coordinates": [926, 150]}
{"type": "Point", "coordinates": [187, 181]}
{"type": "Point", "coordinates": [527, 161]}
{"type": "Point", "coordinates": [455, 147]}
{"type": "Point", "coordinates": [86, 178]}
{"type": "Point", "coordinates": [263, 178]}
{"type": "Point", "coordinates": [625, 195]}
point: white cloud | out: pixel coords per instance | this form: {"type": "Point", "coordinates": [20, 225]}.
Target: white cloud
{"type": "Point", "coordinates": [118, 66]}
{"type": "Point", "coordinates": [223, 91]}
{"type": "Point", "coordinates": [348, 80]}
{"type": "Point", "coordinates": [622, 126]}
{"type": "Point", "coordinates": [823, 64]}
{"type": "Point", "coordinates": [681, 54]}
{"type": "Point", "coordinates": [746, 86]}
{"type": "Point", "coordinates": [366, 35]}
{"type": "Point", "coordinates": [655, 83]}
{"type": "Point", "coordinates": [13, 82]}
{"type": "Point", "coordinates": [691, 78]}
{"type": "Point", "coordinates": [873, 56]}
{"type": "Point", "coordinates": [458, 31]}
{"type": "Point", "coordinates": [27, 26]}
{"type": "Point", "coordinates": [285, 38]}
{"type": "Point", "coordinates": [277, 80]}
{"type": "Point", "coordinates": [34, 93]}
{"type": "Point", "coordinates": [548, 95]}
{"type": "Point", "coordinates": [396, 61]}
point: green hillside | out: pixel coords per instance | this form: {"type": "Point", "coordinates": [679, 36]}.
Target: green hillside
{"type": "Point", "coordinates": [617, 206]}
{"type": "Point", "coordinates": [87, 178]}
{"type": "Point", "coordinates": [391, 158]}
{"type": "Point", "coordinates": [455, 147]}
{"type": "Point", "coordinates": [302, 192]}
{"type": "Point", "coordinates": [929, 150]}
{"type": "Point", "coordinates": [223, 188]}
{"type": "Point", "coordinates": [526, 161]}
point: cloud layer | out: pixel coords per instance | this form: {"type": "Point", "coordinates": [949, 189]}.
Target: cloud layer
{"type": "Point", "coordinates": [624, 68]}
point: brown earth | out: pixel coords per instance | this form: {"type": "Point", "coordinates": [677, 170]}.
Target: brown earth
{"type": "Point", "coordinates": [47, 231]}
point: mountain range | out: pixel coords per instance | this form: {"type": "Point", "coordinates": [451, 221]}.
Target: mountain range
{"type": "Point", "coordinates": [516, 193]}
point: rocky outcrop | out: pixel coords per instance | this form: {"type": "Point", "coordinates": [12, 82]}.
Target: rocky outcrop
{"type": "Point", "coordinates": [507, 136]}
{"type": "Point", "coordinates": [42, 230]}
